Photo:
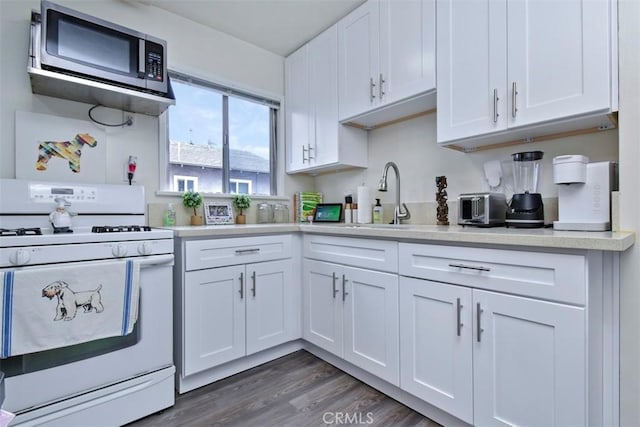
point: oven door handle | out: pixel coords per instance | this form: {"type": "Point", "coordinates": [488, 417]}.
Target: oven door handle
{"type": "Point", "coordinates": [155, 260]}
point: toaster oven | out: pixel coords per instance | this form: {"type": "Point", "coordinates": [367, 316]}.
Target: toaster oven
{"type": "Point", "coordinates": [482, 209]}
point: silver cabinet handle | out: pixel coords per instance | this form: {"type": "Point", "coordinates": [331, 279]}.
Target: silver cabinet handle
{"type": "Point", "coordinates": [478, 317]}
{"type": "Point", "coordinates": [514, 99]}
{"type": "Point", "coordinates": [458, 309]}
{"type": "Point", "coordinates": [309, 151]}
{"type": "Point", "coordinates": [372, 85]}
{"type": "Point", "coordinates": [470, 267]}
{"type": "Point", "coordinates": [380, 82]}
{"type": "Point", "coordinates": [253, 287]}
{"type": "Point", "coordinates": [241, 291]}
{"type": "Point", "coordinates": [344, 291]}
{"type": "Point", "coordinates": [304, 159]}
{"type": "Point", "coordinates": [495, 106]}
{"type": "Point", "coordinates": [247, 251]}
{"type": "Point", "coordinates": [334, 278]}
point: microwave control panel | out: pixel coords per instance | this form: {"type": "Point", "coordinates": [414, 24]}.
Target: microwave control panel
{"type": "Point", "coordinates": [154, 66]}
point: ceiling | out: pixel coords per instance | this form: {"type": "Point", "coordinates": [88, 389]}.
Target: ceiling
{"type": "Point", "coordinates": [279, 26]}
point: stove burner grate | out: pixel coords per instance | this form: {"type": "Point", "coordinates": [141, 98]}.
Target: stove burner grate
{"type": "Point", "coordinates": [20, 231]}
{"type": "Point", "coordinates": [119, 228]}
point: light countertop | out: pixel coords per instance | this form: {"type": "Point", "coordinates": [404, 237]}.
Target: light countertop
{"type": "Point", "coordinates": [539, 237]}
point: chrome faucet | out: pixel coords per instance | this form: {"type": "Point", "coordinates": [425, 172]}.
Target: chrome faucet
{"type": "Point", "coordinates": [400, 212]}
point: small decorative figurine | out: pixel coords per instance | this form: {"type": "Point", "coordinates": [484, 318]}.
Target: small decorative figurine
{"type": "Point", "coordinates": [61, 218]}
{"type": "Point", "coordinates": [442, 211]}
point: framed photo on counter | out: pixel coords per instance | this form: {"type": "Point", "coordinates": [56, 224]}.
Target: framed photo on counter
{"type": "Point", "coordinates": [218, 213]}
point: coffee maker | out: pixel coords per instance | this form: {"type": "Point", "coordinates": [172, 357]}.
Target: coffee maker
{"type": "Point", "coordinates": [584, 193]}
{"type": "Point", "coordinates": [525, 209]}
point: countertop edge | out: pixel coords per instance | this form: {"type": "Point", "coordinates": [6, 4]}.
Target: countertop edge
{"type": "Point", "coordinates": [543, 238]}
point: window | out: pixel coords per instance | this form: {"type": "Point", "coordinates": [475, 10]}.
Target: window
{"type": "Point", "coordinates": [240, 186]}
{"type": "Point", "coordinates": [185, 183]}
{"type": "Point", "coordinates": [220, 140]}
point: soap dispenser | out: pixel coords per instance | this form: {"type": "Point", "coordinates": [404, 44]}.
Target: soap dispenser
{"type": "Point", "coordinates": [377, 212]}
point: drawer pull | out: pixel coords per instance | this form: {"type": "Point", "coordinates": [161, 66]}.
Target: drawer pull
{"type": "Point", "coordinates": [470, 267]}
{"type": "Point", "coordinates": [334, 278]}
{"type": "Point", "coordinates": [253, 288]}
{"type": "Point", "coordinates": [478, 317]}
{"type": "Point", "coordinates": [344, 285]}
{"type": "Point", "coordinates": [241, 285]}
{"type": "Point", "coordinates": [459, 309]}
{"type": "Point", "coordinates": [247, 251]}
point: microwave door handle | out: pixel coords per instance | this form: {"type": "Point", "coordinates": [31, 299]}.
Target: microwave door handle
{"type": "Point", "coordinates": [141, 56]}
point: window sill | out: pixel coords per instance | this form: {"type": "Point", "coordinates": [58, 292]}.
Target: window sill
{"type": "Point", "coordinates": [222, 196]}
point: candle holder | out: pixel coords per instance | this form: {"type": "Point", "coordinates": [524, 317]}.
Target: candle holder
{"type": "Point", "coordinates": [442, 211]}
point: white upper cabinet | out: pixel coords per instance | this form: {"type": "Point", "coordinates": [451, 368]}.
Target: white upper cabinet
{"type": "Point", "coordinates": [316, 141]}
{"type": "Point", "coordinates": [386, 56]}
{"type": "Point", "coordinates": [513, 69]}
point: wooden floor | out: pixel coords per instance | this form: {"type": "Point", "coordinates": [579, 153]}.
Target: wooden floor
{"type": "Point", "coordinates": [295, 390]}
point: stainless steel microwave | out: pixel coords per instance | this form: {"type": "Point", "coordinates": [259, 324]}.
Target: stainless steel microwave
{"type": "Point", "coordinates": [79, 44]}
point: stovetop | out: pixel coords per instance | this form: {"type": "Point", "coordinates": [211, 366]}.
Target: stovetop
{"type": "Point", "coordinates": [34, 231]}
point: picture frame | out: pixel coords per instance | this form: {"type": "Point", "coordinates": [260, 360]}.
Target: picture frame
{"type": "Point", "coordinates": [218, 213]}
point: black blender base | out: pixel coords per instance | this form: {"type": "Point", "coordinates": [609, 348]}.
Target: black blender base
{"type": "Point", "coordinates": [525, 219]}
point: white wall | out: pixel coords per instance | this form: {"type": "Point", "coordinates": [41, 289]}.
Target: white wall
{"type": "Point", "coordinates": [629, 118]}
{"type": "Point", "coordinates": [412, 146]}
{"type": "Point", "coordinates": [192, 48]}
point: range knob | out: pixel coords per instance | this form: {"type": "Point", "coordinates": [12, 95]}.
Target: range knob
{"type": "Point", "coordinates": [119, 250]}
{"type": "Point", "coordinates": [145, 248]}
{"type": "Point", "coordinates": [20, 257]}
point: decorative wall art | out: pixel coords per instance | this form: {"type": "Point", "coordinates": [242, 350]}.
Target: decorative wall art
{"type": "Point", "coordinates": [50, 148]}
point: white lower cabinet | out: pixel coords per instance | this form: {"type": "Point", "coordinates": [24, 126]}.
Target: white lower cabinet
{"type": "Point", "coordinates": [493, 359]}
{"type": "Point", "coordinates": [236, 311]}
{"type": "Point", "coordinates": [235, 297]}
{"type": "Point", "coordinates": [351, 311]}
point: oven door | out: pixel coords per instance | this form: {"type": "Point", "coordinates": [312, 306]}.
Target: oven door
{"type": "Point", "coordinates": [39, 379]}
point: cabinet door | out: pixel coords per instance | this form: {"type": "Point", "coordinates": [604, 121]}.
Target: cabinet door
{"type": "Point", "coordinates": [270, 304]}
{"type": "Point", "coordinates": [471, 68]}
{"type": "Point", "coordinates": [358, 60]}
{"type": "Point", "coordinates": [436, 356]}
{"type": "Point", "coordinates": [214, 318]}
{"type": "Point", "coordinates": [371, 321]}
{"type": "Point", "coordinates": [297, 116]}
{"type": "Point", "coordinates": [559, 59]}
{"type": "Point", "coordinates": [407, 49]}
{"type": "Point", "coordinates": [529, 362]}
{"type": "Point", "coordinates": [323, 60]}
{"type": "Point", "coordinates": [322, 305]}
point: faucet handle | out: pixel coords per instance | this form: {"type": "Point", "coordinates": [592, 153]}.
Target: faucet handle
{"type": "Point", "coordinates": [404, 212]}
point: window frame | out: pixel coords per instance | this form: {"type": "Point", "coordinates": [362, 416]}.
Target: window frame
{"type": "Point", "coordinates": [277, 152]}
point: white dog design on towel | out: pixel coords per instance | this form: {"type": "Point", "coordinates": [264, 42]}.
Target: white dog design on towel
{"type": "Point", "coordinates": [69, 301]}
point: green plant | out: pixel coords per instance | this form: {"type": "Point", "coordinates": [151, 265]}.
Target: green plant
{"type": "Point", "coordinates": [192, 199]}
{"type": "Point", "coordinates": [241, 202]}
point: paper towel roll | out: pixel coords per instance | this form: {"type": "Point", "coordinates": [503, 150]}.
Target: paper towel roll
{"type": "Point", "coordinates": [364, 205]}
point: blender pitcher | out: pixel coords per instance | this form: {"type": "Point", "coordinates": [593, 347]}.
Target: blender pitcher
{"type": "Point", "coordinates": [525, 209]}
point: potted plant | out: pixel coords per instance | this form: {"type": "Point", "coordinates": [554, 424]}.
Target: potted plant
{"type": "Point", "coordinates": [192, 199]}
{"type": "Point", "coordinates": [241, 202]}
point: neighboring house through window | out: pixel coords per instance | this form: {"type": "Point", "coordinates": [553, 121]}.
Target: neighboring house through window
{"type": "Point", "coordinates": [220, 140]}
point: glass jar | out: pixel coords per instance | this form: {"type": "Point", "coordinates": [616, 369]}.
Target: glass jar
{"type": "Point", "coordinates": [281, 213]}
{"type": "Point", "coordinates": [265, 213]}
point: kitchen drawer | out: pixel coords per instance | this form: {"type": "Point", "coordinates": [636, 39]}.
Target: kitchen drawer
{"type": "Point", "coordinates": [366, 253]}
{"type": "Point", "coordinates": [211, 253]}
{"type": "Point", "coordinates": [551, 276]}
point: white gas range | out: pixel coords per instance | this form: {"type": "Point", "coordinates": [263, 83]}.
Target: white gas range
{"type": "Point", "coordinates": [107, 225]}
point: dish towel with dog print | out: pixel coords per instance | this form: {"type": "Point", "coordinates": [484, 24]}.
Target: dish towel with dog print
{"type": "Point", "coordinates": [49, 307]}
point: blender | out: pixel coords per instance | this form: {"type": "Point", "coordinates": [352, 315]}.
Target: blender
{"type": "Point", "coordinates": [525, 209]}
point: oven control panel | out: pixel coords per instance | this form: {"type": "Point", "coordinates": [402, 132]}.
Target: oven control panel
{"type": "Point", "coordinates": [71, 193]}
